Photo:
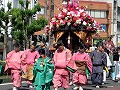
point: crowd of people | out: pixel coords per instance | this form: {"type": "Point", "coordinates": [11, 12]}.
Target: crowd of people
{"type": "Point", "coordinates": [62, 68]}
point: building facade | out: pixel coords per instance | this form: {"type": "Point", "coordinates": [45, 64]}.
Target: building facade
{"type": "Point", "coordinates": [102, 13]}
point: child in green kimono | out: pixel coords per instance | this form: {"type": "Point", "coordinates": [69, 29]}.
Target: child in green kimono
{"type": "Point", "coordinates": [43, 72]}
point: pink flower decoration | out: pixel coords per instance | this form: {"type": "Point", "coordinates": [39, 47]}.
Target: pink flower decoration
{"type": "Point", "coordinates": [75, 24]}
{"type": "Point", "coordinates": [74, 15]}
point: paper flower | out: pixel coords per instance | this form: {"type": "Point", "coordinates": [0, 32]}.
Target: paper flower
{"type": "Point", "coordinates": [72, 14]}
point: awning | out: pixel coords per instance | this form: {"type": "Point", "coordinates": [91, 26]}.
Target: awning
{"type": "Point", "coordinates": [39, 32]}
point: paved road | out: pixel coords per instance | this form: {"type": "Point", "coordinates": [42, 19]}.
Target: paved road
{"type": "Point", "coordinates": [109, 85]}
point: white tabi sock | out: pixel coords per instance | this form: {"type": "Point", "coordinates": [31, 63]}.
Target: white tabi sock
{"type": "Point", "coordinates": [56, 89]}
{"type": "Point", "coordinates": [76, 87]}
{"type": "Point", "coordinates": [104, 76]}
{"type": "Point", "coordinates": [80, 88]}
{"type": "Point", "coordinates": [15, 88]}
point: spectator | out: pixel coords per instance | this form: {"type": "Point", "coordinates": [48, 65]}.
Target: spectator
{"type": "Point", "coordinates": [109, 45]}
{"type": "Point", "coordinates": [99, 61]}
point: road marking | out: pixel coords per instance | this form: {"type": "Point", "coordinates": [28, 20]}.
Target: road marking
{"type": "Point", "coordinates": [10, 83]}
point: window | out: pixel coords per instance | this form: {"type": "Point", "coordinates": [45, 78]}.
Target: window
{"type": "Point", "coordinates": [103, 14]}
{"type": "Point", "coordinates": [97, 13]}
{"type": "Point", "coordinates": [88, 12]}
{"type": "Point", "coordinates": [92, 13]}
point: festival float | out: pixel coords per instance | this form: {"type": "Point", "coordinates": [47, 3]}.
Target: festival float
{"type": "Point", "coordinates": [73, 26]}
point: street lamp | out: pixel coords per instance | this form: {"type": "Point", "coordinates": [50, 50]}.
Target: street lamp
{"type": "Point", "coordinates": [115, 21]}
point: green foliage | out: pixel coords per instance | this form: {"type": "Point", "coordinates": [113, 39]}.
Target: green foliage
{"type": "Point", "coordinates": [27, 3]}
{"type": "Point", "coordinates": [23, 26]}
{"type": "Point", "coordinates": [2, 9]}
{"type": "Point", "coordinates": [36, 8]}
{"type": "Point", "coordinates": [16, 19]}
{"type": "Point", "coordinates": [4, 20]}
{"type": "Point", "coordinates": [18, 36]}
{"type": "Point", "coordinates": [9, 5]}
{"type": "Point", "coordinates": [1, 13]}
{"type": "Point", "coordinates": [21, 2]}
{"type": "Point", "coordinates": [28, 12]}
{"type": "Point", "coordinates": [37, 25]}
{"type": "Point", "coordinates": [4, 16]}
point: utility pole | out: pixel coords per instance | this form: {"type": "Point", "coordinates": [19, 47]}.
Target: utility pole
{"type": "Point", "coordinates": [115, 4]}
{"type": "Point", "coordinates": [116, 22]}
{"type": "Point", "coordinates": [45, 8]}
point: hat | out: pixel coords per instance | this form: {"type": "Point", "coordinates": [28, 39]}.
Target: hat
{"type": "Point", "coordinates": [100, 43]}
{"type": "Point", "coordinates": [110, 37]}
{"type": "Point", "coordinates": [81, 45]}
{"type": "Point", "coordinates": [34, 43]}
{"type": "Point", "coordinates": [60, 43]}
{"type": "Point", "coordinates": [16, 44]}
{"type": "Point", "coordinates": [41, 51]}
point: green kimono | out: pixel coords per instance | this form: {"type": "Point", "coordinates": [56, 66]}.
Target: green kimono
{"type": "Point", "coordinates": [43, 74]}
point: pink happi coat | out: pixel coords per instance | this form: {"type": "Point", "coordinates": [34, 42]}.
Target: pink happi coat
{"type": "Point", "coordinates": [13, 63]}
{"type": "Point", "coordinates": [61, 76]}
{"type": "Point", "coordinates": [77, 77]}
{"type": "Point", "coordinates": [28, 58]}
{"type": "Point", "coordinates": [13, 60]}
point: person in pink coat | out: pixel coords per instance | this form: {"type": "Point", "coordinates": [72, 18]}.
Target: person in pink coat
{"type": "Point", "coordinates": [61, 58]}
{"type": "Point", "coordinates": [82, 60]}
{"type": "Point", "coordinates": [13, 64]}
{"type": "Point", "coordinates": [28, 60]}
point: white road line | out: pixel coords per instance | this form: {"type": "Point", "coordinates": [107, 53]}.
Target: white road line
{"type": "Point", "coordinates": [10, 83]}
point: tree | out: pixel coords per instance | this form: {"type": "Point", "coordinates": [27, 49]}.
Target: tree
{"type": "Point", "coordinates": [17, 26]}
{"type": "Point", "coordinates": [23, 26]}
{"type": "Point", "coordinates": [4, 25]}
{"type": "Point", "coordinates": [37, 25]}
